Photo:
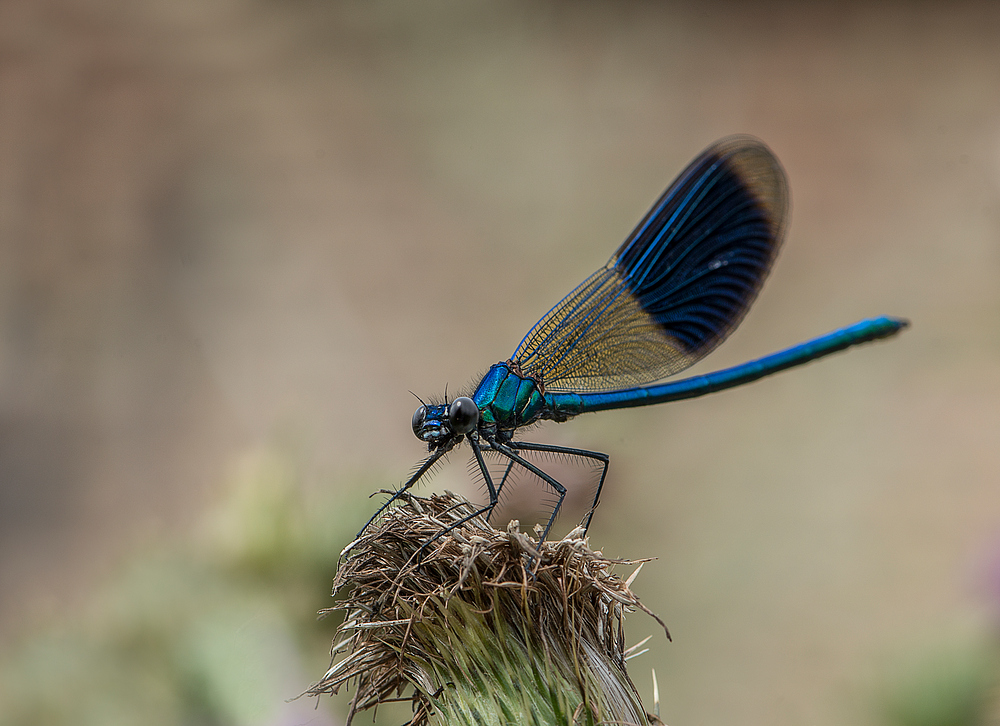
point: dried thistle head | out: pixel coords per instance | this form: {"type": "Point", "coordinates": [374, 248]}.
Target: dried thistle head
{"type": "Point", "coordinates": [483, 627]}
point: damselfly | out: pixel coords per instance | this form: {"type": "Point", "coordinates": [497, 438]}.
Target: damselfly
{"type": "Point", "coordinates": [679, 284]}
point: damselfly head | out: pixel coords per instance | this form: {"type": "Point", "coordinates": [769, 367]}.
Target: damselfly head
{"type": "Point", "coordinates": [438, 423]}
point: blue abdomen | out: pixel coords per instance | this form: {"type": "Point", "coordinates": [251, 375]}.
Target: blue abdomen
{"type": "Point", "coordinates": [506, 399]}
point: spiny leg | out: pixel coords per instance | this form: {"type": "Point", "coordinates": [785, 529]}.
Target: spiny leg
{"type": "Point", "coordinates": [507, 451]}
{"type": "Point", "coordinates": [584, 453]}
{"type": "Point", "coordinates": [487, 510]}
{"type": "Point", "coordinates": [431, 460]}
{"type": "Point", "coordinates": [506, 473]}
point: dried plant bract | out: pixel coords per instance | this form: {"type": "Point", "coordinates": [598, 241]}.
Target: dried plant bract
{"type": "Point", "coordinates": [482, 627]}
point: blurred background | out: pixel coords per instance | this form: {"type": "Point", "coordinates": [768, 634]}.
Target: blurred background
{"type": "Point", "coordinates": [235, 235]}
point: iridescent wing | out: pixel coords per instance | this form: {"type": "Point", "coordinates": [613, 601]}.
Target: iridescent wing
{"type": "Point", "coordinates": [678, 285]}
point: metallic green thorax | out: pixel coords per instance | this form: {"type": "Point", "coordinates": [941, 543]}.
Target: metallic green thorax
{"type": "Point", "coordinates": [506, 399]}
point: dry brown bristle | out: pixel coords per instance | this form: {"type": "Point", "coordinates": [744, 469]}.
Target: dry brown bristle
{"type": "Point", "coordinates": [484, 626]}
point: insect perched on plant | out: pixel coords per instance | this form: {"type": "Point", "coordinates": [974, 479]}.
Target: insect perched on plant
{"type": "Point", "coordinates": [678, 285]}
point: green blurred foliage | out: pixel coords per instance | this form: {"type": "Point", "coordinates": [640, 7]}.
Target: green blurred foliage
{"type": "Point", "coordinates": [950, 683]}
{"type": "Point", "coordinates": [219, 629]}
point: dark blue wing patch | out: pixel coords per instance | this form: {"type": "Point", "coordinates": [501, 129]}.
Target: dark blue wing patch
{"type": "Point", "coordinates": [699, 257]}
{"type": "Point", "coordinates": [677, 286]}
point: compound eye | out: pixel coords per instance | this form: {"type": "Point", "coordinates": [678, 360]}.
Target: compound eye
{"type": "Point", "coordinates": [418, 419]}
{"type": "Point", "coordinates": [463, 415]}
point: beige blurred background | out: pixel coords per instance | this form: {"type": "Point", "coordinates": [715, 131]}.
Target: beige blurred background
{"type": "Point", "coordinates": [225, 223]}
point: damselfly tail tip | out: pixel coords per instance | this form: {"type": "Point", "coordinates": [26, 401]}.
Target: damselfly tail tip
{"type": "Point", "coordinates": [884, 326]}
{"type": "Point", "coordinates": [902, 323]}
{"type": "Point", "coordinates": [895, 325]}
